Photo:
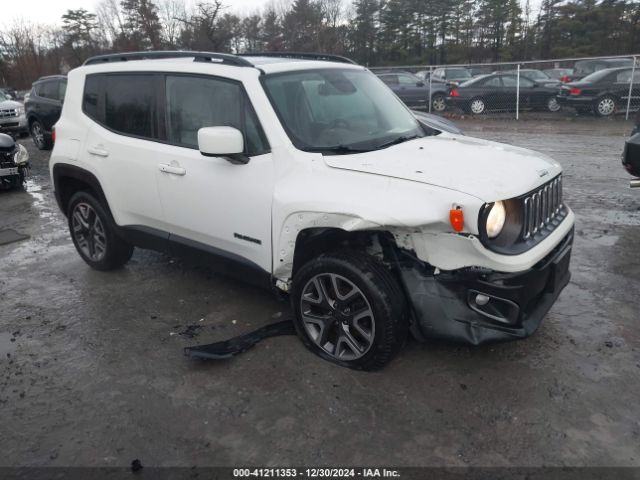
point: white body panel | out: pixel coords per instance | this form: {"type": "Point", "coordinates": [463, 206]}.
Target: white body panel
{"type": "Point", "coordinates": [407, 189]}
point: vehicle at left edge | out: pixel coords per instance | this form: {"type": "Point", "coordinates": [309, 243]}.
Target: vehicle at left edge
{"type": "Point", "coordinates": [14, 163]}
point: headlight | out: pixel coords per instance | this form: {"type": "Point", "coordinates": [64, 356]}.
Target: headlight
{"type": "Point", "coordinates": [20, 111]}
{"type": "Point", "coordinates": [496, 219]}
{"type": "Point", "coordinates": [22, 156]}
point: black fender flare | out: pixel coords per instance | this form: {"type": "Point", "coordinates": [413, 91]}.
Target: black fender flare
{"type": "Point", "coordinates": [65, 170]}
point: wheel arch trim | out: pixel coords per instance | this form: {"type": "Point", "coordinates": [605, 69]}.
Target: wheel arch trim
{"type": "Point", "coordinates": [295, 224]}
{"type": "Point", "coordinates": [63, 170]}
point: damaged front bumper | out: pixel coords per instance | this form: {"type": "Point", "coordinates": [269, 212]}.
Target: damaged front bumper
{"type": "Point", "coordinates": [477, 306]}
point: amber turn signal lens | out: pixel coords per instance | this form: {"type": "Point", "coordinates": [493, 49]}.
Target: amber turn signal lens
{"type": "Point", "coordinates": [456, 217]}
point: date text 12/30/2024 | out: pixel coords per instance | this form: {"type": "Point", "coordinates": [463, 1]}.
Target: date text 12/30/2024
{"type": "Point", "coordinates": [315, 473]}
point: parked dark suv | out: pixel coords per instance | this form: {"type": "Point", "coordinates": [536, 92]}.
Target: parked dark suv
{"type": "Point", "coordinates": [43, 108]}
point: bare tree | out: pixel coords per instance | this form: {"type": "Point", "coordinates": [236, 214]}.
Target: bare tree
{"type": "Point", "coordinates": [172, 14]}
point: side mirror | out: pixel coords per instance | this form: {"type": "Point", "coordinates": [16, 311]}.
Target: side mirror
{"type": "Point", "coordinates": [420, 84]}
{"type": "Point", "coordinates": [226, 142]}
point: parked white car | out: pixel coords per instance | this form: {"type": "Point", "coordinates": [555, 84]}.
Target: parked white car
{"type": "Point", "coordinates": [310, 176]}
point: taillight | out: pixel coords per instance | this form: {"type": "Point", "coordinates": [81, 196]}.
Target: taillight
{"type": "Point", "coordinates": [565, 79]}
{"type": "Point", "coordinates": [53, 135]}
{"type": "Point", "coordinates": [454, 92]}
{"type": "Point", "coordinates": [575, 91]}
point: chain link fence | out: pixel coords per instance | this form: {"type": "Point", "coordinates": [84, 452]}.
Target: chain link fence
{"type": "Point", "coordinates": [596, 86]}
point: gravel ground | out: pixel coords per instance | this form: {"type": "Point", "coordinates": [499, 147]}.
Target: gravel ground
{"type": "Point", "coordinates": [92, 371]}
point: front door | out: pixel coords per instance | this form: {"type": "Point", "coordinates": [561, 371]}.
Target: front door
{"type": "Point", "coordinates": [210, 202]}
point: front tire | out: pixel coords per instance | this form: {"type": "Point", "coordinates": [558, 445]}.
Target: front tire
{"type": "Point", "coordinates": [605, 106]}
{"type": "Point", "coordinates": [349, 310]}
{"type": "Point", "coordinates": [40, 138]}
{"type": "Point", "coordinates": [94, 235]}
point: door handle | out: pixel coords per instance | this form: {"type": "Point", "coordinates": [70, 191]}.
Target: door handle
{"type": "Point", "coordinates": [172, 169]}
{"type": "Point", "coordinates": [98, 150]}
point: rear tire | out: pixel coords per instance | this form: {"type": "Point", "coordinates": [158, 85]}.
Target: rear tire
{"type": "Point", "coordinates": [349, 310]}
{"type": "Point", "coordinates": [552, 105]}
{"type": "Point", "coordinates": [94, 234]}
{"type": "Point", "coordinates": [477, 106]}
{"type": "Point", "coordinates": [438, 103]}
{"type": "Point", "coordinates": [40, 138]}
{"type": "Point", "coordinates": [605, 106]}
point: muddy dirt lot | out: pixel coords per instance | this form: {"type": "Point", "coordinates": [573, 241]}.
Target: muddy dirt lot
{"type": "Point", "coordinates": [92, 371]}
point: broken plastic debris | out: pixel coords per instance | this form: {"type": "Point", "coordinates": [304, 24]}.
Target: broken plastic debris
{"type": "Point", "coordinates": [236, 345]}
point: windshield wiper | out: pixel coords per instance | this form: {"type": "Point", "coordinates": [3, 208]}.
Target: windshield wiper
{"type": "Point", "coordinates": [404, 138]}
{"type": "Point", "coordinates": [338, 149]}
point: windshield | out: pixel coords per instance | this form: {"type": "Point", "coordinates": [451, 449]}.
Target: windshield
{"type": "Point", "coordinates": [339, 111]}
{"type": "Point", "coordinates": [3, 97]}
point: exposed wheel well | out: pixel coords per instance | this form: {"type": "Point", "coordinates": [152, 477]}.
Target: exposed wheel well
{"type": "Point", "coordinates": [312, 242]}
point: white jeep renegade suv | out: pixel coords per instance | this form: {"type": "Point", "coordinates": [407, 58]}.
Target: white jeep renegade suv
{"type": "Point", "coordinates": [307, 174]}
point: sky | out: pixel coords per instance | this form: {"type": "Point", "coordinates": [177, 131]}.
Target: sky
{"type": "Point", "coordinates": [49, 11]}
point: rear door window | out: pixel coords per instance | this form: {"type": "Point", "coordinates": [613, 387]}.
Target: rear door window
{"type": "Point", "coordinates": [49, 90]}
{"type": "Point", "coordinates": [493, 82]}
{"type": "Point", "coordinates": [130, 106]}
{"type": "Point", "coordinates": [390, 79]}
{"type": "Point", "coordinates": [408, 80]}
{"type": "Point", "coordinates": [509, 81]}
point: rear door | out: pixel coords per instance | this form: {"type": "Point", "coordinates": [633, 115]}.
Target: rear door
{"type": "Point", "coordinates": [49, 103]}
{"type": "Point", "coordinates": [621, 84]}
{"type": "Point", "coordinates": [492, 92]}
{"type": "Point", "coordinates": [122, 147]}
{"type": "Point", "coordinates": [532, 95]}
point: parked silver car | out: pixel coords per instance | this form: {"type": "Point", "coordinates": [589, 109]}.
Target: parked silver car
{"type": "Point", "coordinates": [12, 116]}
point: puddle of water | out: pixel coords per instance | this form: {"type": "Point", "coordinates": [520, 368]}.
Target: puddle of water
{"type": "Point", "coordinates": [35, 190]}
{"type": "Point", "coordinates": [6, 345]}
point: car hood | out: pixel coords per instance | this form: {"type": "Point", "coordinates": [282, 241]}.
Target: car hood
{"type": "Point", "coordinates": [487, 170]}
{"type": "Point", "coordinates": [9, 104]}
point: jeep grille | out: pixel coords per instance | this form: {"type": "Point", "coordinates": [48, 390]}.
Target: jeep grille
{"type": "Point", "coordinates": [541, 207]}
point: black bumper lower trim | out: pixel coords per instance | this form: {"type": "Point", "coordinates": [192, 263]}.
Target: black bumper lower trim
{"type": "Point", "coordinates": [444, 305]}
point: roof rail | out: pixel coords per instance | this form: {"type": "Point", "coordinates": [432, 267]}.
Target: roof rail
{"type": "Point", "coordinates": [327, 57]}
{"type": "Point", "coordinates": [212, 57]}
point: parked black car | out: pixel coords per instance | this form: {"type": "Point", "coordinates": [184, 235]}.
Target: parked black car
{"type": "Point", "coordinates": [43, 107]}
{"type": "Point", "coordinates": [415, 92]}
{"type": "Point", "coordinates": [583, 68]}
{"type": "Point", "coordinates": [602, 92]}
{"type": "Point", "coordinates": [452, 75]}
{"type": "Point", "coordinates": [499, 91]}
